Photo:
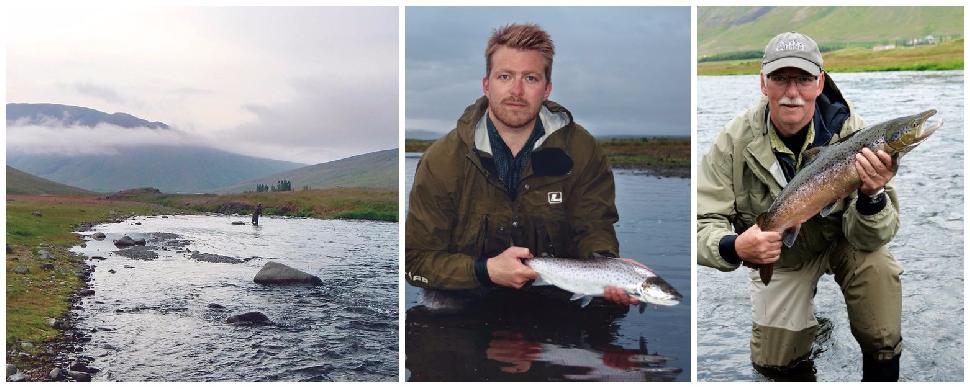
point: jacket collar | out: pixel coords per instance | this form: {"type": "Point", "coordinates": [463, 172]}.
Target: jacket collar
{"type": "Point", "coordinates": [473, 131]}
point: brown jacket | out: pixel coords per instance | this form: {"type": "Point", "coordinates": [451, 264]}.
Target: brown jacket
{"type": "Point", "coordinates": [459, 211]}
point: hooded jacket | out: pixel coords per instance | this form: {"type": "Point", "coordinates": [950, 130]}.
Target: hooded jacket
{"type": "Point", "coordinates": [741, 176]}
{"type": "Point", "coordinates": [460, 213]}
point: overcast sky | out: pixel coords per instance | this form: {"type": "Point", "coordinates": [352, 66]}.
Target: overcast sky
{"type": "Point", "coordinates": [301, 84]}
{"type": "Point", "coordinates": [619, 70]}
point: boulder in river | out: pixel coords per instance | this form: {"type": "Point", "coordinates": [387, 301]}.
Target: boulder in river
{"type": "Point", "coordinates": [125, 241]}
{"type": "Point", "coordinates": [98, 236]}
{"type": "Point", "coordinates": [238, 223]}
{"type": "Point", "coordinates": [79, 376]}
{"type": "Point", "coordinates": [249, 318]}
{"type": "Point", "coordinates": [274, 273]}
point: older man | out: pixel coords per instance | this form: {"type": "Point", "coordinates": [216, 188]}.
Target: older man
{"type": "Point", "coordinates": [752, 159]}
{"type": "Point", "coordinates": [517, 177]}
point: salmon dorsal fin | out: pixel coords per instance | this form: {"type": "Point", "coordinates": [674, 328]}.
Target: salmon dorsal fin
{"type": "Point", "coordinates": [634, 263]}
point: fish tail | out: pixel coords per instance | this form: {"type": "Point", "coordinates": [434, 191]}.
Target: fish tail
{"type": "Point", "coordinates": [766, 271]}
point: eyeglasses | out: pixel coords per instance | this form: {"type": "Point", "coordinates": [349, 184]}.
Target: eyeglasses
{"type": "Point", "coordinates": [802, 81]}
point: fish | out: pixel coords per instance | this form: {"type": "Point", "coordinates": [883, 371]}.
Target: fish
{"type": "Point", "coordinates": [587, 278]}
{"type": "Point", "coordinates": [829, 175]}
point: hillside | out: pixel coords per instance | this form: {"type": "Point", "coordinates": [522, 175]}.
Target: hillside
{"type": "Point", "coordinates": [170, 168]}
{"type": "Point", "coordinates": [19, 182]}
{"type": "Point", "coordinates": [723, 30]}
{"type": "Point", "coordinates": [69, 115]}
{"type": "Point", "coordinates": [378, 169]}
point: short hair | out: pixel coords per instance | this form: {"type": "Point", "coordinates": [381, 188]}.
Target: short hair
{"type": "Point", "coordinates": [523, 37]}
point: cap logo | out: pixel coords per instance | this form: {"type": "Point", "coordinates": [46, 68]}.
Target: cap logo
{"type": "Point", "coordinates": [555, 197]}
{"type": "Point", "coordinates": [790, 45]}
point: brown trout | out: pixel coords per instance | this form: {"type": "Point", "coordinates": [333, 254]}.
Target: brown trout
{"type": "Point", "coordinates": [829, 174]}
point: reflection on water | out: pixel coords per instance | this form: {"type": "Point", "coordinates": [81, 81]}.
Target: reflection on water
{"type": "Point", "coordinates": [929, 243]}
{"type": "Point", "coordinates": [163, 317]}
{"type": "Point", "coordinates": [539, 335]}
{"type": "Point", "coordinates": [527, 337]}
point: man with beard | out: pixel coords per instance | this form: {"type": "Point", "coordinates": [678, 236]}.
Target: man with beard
{"type": "Point", "coordinates": [744, 171]}
{"type": "Point", "coordinates": [516, 178]}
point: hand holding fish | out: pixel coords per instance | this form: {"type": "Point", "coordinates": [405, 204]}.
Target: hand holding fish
{"type": "Point", "coordinates": [757, 246]}
{"type": "Point", "coordinates": [616, 295]}
{"type": "Point", "coordinates": [506, 269]}
{"type": "Point", "coordinates": [875, 170]}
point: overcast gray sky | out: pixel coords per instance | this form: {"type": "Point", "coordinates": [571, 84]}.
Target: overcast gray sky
{"type": "Point", "coordinates": [308, 84]}
{"type": "Point", "coordinates": [619, 70]}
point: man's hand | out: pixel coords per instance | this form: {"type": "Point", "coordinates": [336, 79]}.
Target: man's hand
{"type": "Point", "coordinates": [875, 170]}
{"type": "Point", "coordinates": [506, 269]}
{"type": "Point", "coordinates": [618, 296]}
{"type": "Point", "coordinates": [759, 247]}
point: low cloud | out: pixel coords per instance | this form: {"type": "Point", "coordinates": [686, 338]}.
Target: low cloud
{"type": "Point", "coordinates": [101, 139]}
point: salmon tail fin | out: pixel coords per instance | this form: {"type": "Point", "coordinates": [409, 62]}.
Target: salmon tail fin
{"type": "Point", "coordinates": [765, 272]}
{"type": "Point", "coordinates": [788, 237]}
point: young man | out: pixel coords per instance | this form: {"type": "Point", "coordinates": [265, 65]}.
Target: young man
{"type": "Point", "coordinates": [750, 162]}
{"type": "Point", "coordinates": [516, 178]}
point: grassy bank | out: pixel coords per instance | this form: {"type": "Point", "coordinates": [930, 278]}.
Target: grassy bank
{"type": "Point", "coordinates": [36, 223]}
{"type": "Point", "coordinates": [663, 156]}
{"type": "Point", "coordinates": [338, 203]}
{"type": "Point", "coordinates": [944, 56]}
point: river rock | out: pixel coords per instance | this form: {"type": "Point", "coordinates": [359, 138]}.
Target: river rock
{"type": "Point", "coordinates": [79, 376]}
{"type": "Point", "coordinates": [248, 318]}
{"type": "Point", "coordinates": [21, 269]}
{"type": "Point", "coordinates": [140, 242]}
{"type": "Point", "coordinates": [137, 223]}
{"type": "Point", "coordinates": [11, 369]}
{"type": "Point", "coordinates": [56, 374]}
{"type": "Point", "coordinates": [112, 271]}
{"type": "Point", "coordinates": [47, 266]}
{"type": "Point", "coordinates": [86, 292]}
{"type": "Point", "coordinates": [141, 253]}
{"type": "Point", "coordinates": [215, 306]}
{"type": "Point", "coordinates": [44, 254]}
{"type": "Point", "coordinates": [216, 258]}
{"type": "Point", "coordinates": [17, 377]}
{"type": "Point", "coordinates": [274, 273]}
{"type": "Point", "coordinates": [98, 236]}
{"type": "Point", "coordinates": [238, 223]}
{"type": "Point", "coordinates": [125, 241]}
{"type": "Point", "coordinates": [98, 257]}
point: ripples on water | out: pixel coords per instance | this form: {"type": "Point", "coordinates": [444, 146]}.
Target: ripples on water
{"type": "Point", "coordinates": [516, 337]}
{"type": "Point", "coordinates": [152, 320]}
{"type": "Point", "coordinates": [929, 244]}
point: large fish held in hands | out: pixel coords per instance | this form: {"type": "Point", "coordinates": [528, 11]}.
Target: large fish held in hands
{"type": "Point", "coordinates": [587, 278]}
{"type": "Point", "coordinates": [829, 174]}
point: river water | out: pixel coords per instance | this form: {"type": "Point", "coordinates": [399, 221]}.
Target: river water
{"type": "Point", "coordinates": [155, 320]}
{"type": "Point", "coordinates": [929, 244]}
{"type": "Point", "coordinates": [516, 338]}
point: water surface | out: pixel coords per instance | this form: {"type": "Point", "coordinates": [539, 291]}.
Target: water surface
{"type": "Point", "coordinates": [165, 319]}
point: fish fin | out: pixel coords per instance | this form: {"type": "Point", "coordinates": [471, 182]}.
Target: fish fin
{"type": "Point", "coordinates": [634, 263]}
{"type": "Point", "coordinates": [765, 272]}
{"type": "Point", "coordinates": [809, 155]}
{"type": "Point", "coordinates": [583, 299]}
{"type": "Point", "coordinates": [788, 237]}
{"type": "Point", "coordinates": [540, 282]}
{"type": "Point", "coordinates": [826, 211]}
{"type": "Point", "coordinates": [642, 307]}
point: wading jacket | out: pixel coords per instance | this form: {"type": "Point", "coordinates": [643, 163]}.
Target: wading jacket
{"type": "Point", "coordinates": [740, 176]}
{"type": "Point", "coordinates": [460, 213]}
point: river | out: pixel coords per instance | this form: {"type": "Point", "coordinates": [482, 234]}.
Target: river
{"type": "Point", "coordinates": [164, 319]}
{"type": "Point", "coordinates": [520, 339]}
{"type": "Point", "coordinates": [929, 243]}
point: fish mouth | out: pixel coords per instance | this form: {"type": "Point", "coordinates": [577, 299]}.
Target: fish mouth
{"type": "Point", "coordinates": [930, 125]}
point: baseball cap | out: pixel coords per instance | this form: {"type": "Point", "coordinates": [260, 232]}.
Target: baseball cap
{"type": "Point", "coordinates": [791, 49]}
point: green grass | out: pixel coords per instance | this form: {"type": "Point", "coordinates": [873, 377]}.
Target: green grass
{"type": "Point", "coordinates": [42, 294]}
{"type": "Point", "coordinates": [944, 56]}
{"type": "Point", "coordinates": [337, 203]}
